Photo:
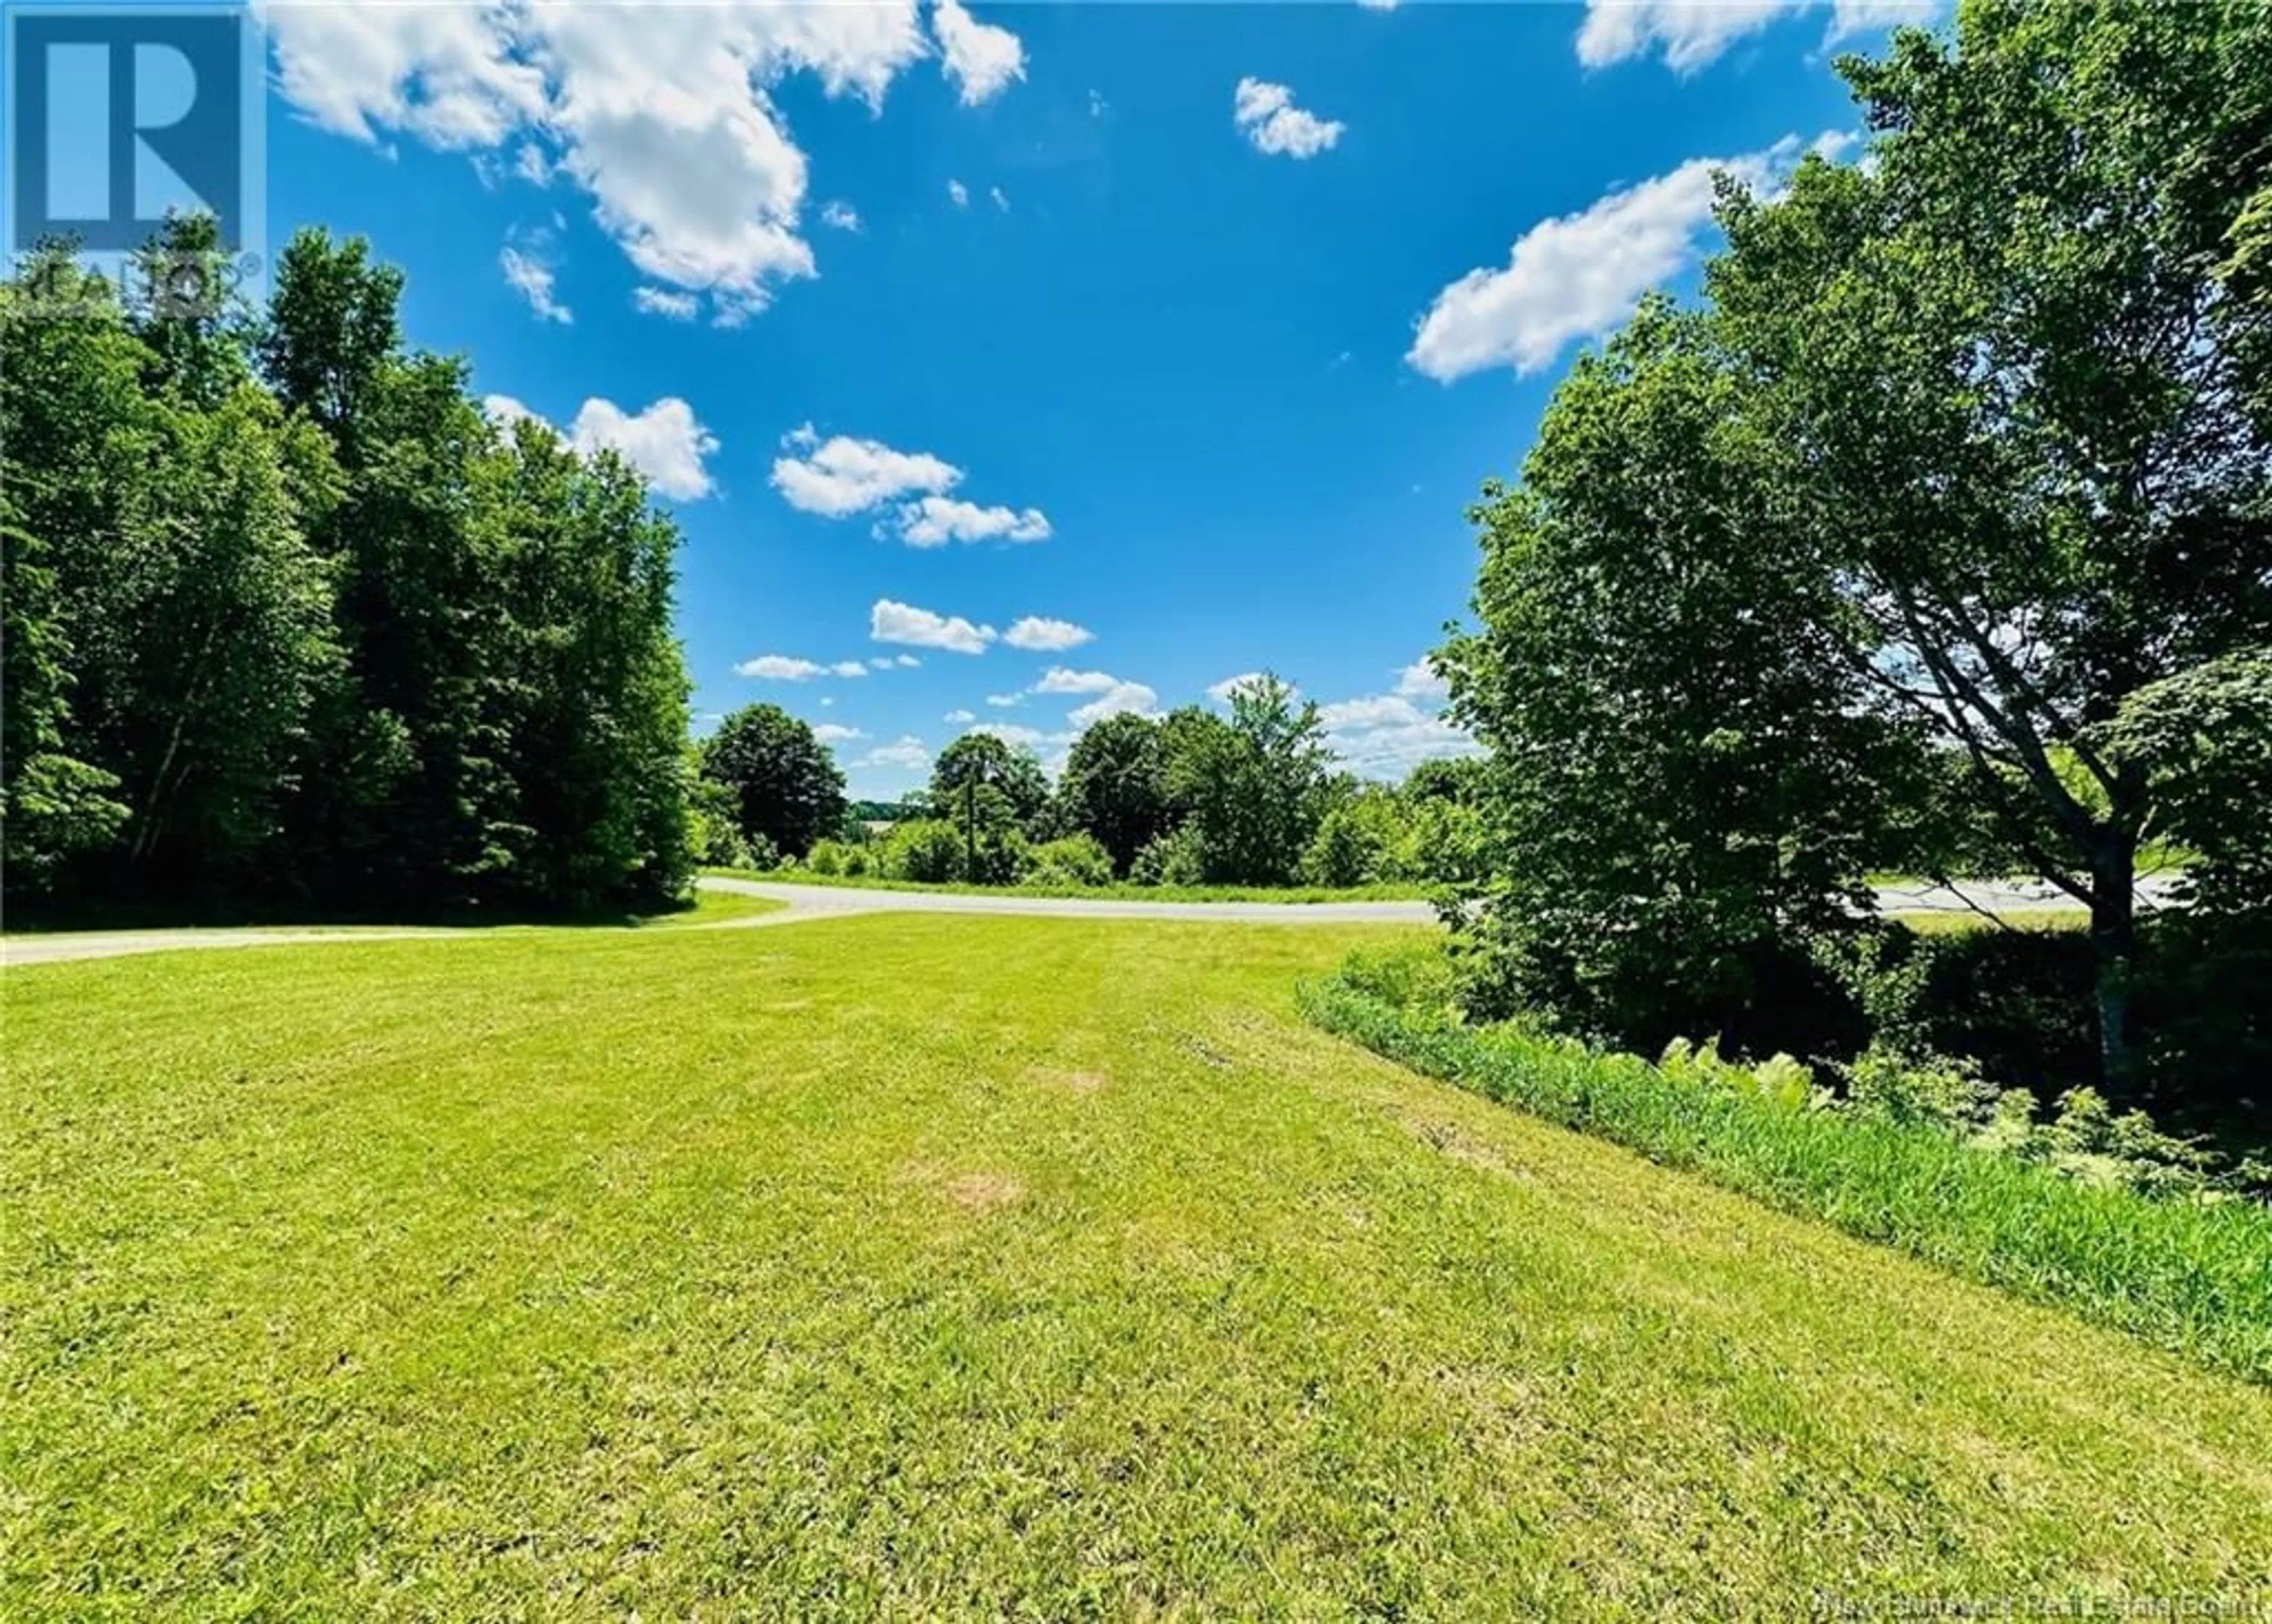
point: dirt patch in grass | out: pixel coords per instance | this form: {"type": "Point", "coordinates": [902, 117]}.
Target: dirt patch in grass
{"type": "Point", "coordinates": [1080, 1082]}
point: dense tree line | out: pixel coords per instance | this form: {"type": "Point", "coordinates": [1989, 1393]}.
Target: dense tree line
{"type": "Point", "coordinates": [290, 622]}
{"type": "Point", "coordinates": [1938, 536]}
{"type": "Point", "coordinates": [1249, 796]}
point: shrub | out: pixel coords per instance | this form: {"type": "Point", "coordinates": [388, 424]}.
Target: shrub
{"type": "Point", "coordinates": [1173, 859]}
{"type": "Point", "coordinates": [1070, 860]}
{"type": "Point", "coordinates": [1346, 849]}
{"type": "Point", "coordinates": [926, 849]}
{"type": "Point", "coordinates": [2187, 1273]}
{"type": "Point", "coordinates": [826, 856]}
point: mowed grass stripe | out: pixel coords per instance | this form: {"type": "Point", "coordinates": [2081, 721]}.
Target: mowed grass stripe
{"type": "Point", "coordinates": [961, 1266]}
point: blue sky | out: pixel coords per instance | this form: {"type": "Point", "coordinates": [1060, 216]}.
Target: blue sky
{"type": "Point", "coordinates": [1032, 361]}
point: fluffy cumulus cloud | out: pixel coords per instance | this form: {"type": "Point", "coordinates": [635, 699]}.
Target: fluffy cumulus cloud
{"type": "Point", "coordinates": [1039, 633]}
{"type": "Point", "coordinates": [934, 521]}
{"type": "Point", "coordinates": [839, 217]}
{"type": "Point", "coordinates": [1265, 115]}
{"type": "Point", "coordinates": [1060, 679]}
{"type": "Point", "coordinates": [907, 752]}
{"type": "Point", "coordinates": [958, 717]}
{"type": "Point", "coordinates": [1013, 733]}
{"type": "Point", "coordinates": [531, 278]}
{"type": "Point", "coordinates": [979, 57]}
{"type": "Point", "coordinates": [1006, 701]}
{"type": "Point", "coordinates": [1579, 275]}
{"type": "Point", "coordinates": [903, 623]}
{"type": "Point", "coordinates": [666, 443]}
{"type": "Point", "coordinates": [1387, 735]}
{"type": "Point", "coordinates": [780, 667]}
{"type": "Point", "coordinates": [663, 117]}
{"type": "Point", "coordinates": [1131, 697]}
{"type": "Point", "coordinates": [1692, 34]}
{"type": "Point", "coordinates": [836, 733]}
{"type": "Point", "coordinates": [841, 476]}
{"type": "Point", "coordinates": [1419, 681]}
{"type": "Point", "coordinates": [1221, 691]}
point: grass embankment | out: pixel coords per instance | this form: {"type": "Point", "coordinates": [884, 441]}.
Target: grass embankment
{"type": "Point", "coordinates": [2190, 1275]}
{"type": "Point", "coordinates": [701, 907]}
{"type": "Point", "coordinates": [1121, 890]}
{"type": "Point", "coordinates": [974, 1266]}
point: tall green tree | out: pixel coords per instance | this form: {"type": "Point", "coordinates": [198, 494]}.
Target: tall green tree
{"type": "Point", "coordinates": [784, 782]}
{"type": "Point", "coordinates": [1681, 791]}
{"type": "Point", "coordinates": [1253, 788]}
{"type": "Point", "coordinates": [2023, 399]}
{"type": "Point", "coordinates": [1115, 786]}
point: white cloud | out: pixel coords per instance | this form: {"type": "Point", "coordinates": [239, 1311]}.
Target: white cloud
{"type": "Point", "coordinates": [902, 623]}
{"type": "Point", "coordinates": [849, 668]}
{"type": "Point", "coordinates": [1373, 711]}
{"type": "Point", "coordinates": [881, 662]}
{"type": "Point", "coordinates": [1692, 33]}
{"type": "Point", "coordinates": [1266, 114]}
{"type": "Point", "coordinates": [1097, 104]}
{"type": "Point", "coordinates": [1041, 634]}
{"type": "Point", "coordinates": [908, 660]}
{"type": "Point", "coordinates": [1058, 679]}
{"type": "Point", "coordinates": [532, 278]}
{"type": "Point", "coordinates": [979, 56]}
{"type": "Point", "coordinates": [1221, 691]}
{"type": "Point", "coordinates": [836, 733]}
{"type": "Point", "coordinates": [1377, 5]}
{"type": "Point", "coordinates": [1004, 701]}
{"type": "Point", "coordinates": [935, 520]}
{"type": "Point", "coordinates": [839, 216]}
{"type": "Point", "coordinates": [504, 411]}
{"type": "Point", "coordinates": [1419, 681]}
{"type": "Point", "coordinates": [958, 717]}
{"type": "Point", "coordinates": [1132, 697]}
{"type": "Point", "coordinates": [664, 116]}
{"type": "Point", "coordinates": [1013, 733]}
{"type": "Point", "coordinates": [779, 667]}
{"type": "Point", "coordinates": [958, 193]}
{"type": "Point", "coordinates": [663, 302]}
{"type": "Point", "coordinates": [841, 476]}
{"type": "Point", "coordinates": [1387, 735]}
{"type": "Point", "coordinates": [1581, 275]}
{"type": "Point", "coordinates": [1000, 201]}
{"type": "Point", "coordinates": [664, 442]}
{"type": "Point", "coordinates": [907, 752]}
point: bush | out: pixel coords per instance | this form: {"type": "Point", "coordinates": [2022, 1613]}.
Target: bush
{"type": "Point", "coordinates": [925, 849]}
{"type": "Point", "coordinates": [1172, 859]}
{"type": "Point", "coordinates": [1346, 849]}
{"type": "Point", "coordinates": [827, 856]}
{"type": "Point", "coordinates": [1072, 860]}
{"type": "Point", "coordinates": [2187, 1273]}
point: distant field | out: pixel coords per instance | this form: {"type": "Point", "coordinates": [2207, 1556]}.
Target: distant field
{"type": "Point", "coordinates": [1149, 894]}
{"type": "Point", "coordinates": [974, 1266]}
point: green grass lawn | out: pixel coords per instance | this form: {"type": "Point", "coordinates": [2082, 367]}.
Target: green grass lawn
{"type": "Point", "coordinates": [1120, 889]}
{"type": "Point", "coordinates": [972, 1266]}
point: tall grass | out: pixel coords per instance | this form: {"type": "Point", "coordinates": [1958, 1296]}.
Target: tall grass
{"type": "Point", "coordinates": [2193, 1277]}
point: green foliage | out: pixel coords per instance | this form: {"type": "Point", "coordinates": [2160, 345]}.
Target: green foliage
{"type": "Point", "coordinates": [981, 761]}
{"type": "Point", "coordinates": [785, 782]}
{"type": "Point", "coordinates": [1251, 789]}
{"type": "Point", "coordinates": [1069, 860]}
{"type": "Point", "coordinates": [288, 624]}
{"type": "Point", "coordinates": [2186, 1273]}
{"type": "Point", "coordinates": [1173, 859]}
{"type": "Point", "coordinates": [1115, 786]}
{"type": "Point", "coordinates": [928, 849]}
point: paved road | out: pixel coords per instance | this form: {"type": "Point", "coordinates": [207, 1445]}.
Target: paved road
{"type": "Point", "coordinates": [810, 902]}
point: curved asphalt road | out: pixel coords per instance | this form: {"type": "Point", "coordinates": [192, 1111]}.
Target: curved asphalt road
{"type": "Point", "coordinates": [811, 903]}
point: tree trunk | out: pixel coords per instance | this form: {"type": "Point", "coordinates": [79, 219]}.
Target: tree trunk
{"type": "Point", "coordinates": [2114, 946]}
